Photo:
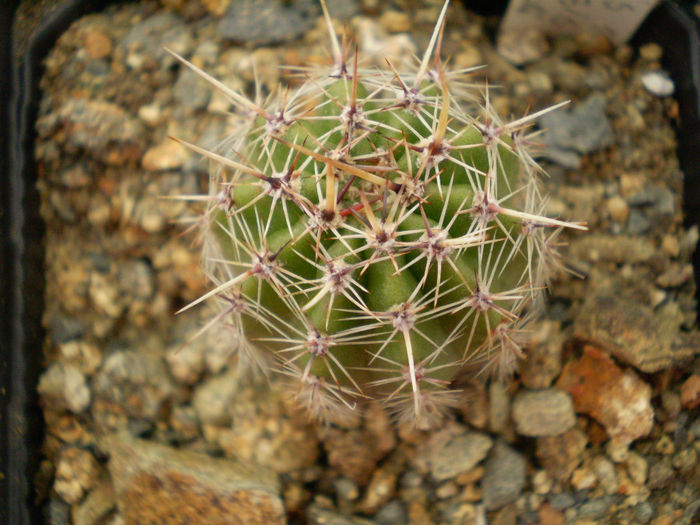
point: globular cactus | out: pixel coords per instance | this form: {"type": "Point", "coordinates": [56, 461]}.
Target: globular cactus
{"type": "Point", "coordinates": [373, 237]}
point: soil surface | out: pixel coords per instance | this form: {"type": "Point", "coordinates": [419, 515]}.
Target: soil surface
{"type": "Point", "coordinates": [601, 424]}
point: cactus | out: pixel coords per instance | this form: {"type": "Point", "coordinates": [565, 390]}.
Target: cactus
{"type": "Point", "coordinates": [373, 237]}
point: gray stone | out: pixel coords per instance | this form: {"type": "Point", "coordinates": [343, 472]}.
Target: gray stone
{"type": "Point", "coordinates": [393, 513]}
{"type": "Point", "coordinates": [63, 329]}
{"type": "Point", "coordinates": [638, 223]}
{"type": "Point", "coordinates": [583, 129]}
{"type": "Point", "coordinates": [272, 21]}
{"type": "Point", "coordinates": [541, 413]}
{"type": "Point", "coordinates": [504, 476]}
{"type": "Point", "coordinates": [661, 474]}
{"type": "Point", "coordinates": [460, 454]}
{"type": "Point", "coordinates": [659, 198]}
{"type": "Point", "coordinates": [643, 511]}
{"type": "Point", "coordinates": [266, 21]}
{"type": "Point", "coordinates": [144, 46]}
{"type": "Point", "coordinates": [562, 501]}
{"type": "Point", "coordinates": [595, 509]}
{"type": "Point", "coordinates": [191, 91]}
{"type": "Point", "coordinates": [134, 383]}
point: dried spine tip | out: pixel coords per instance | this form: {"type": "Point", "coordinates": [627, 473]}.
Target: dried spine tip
{"type": "Point", "coordinates": [373, 237]}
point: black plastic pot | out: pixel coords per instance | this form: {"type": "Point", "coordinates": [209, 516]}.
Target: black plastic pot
{"type": "Point", "coordinates": [21, 256]}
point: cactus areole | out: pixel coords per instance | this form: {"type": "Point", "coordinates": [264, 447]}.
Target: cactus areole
{"type": "Point", "coordinates": [375, 231]}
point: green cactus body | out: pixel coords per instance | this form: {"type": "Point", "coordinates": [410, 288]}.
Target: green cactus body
{"type": "Point", "coordinates": [373, 237]}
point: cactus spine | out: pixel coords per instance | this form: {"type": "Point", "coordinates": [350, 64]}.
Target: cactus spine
{"type": "Point", "coordinates": [373, 237]}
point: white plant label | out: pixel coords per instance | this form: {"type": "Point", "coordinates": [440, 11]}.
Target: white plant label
{"type": "Point", "coordinates": [616, 19]}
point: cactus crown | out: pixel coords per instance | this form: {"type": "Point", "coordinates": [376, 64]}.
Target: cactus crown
{"type": "Point", "coordinates": [373, 236]}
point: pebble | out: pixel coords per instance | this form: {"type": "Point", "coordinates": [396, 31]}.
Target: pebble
{"type": "Point", "coordinates": [543, 362]}
{"type": "Point", "coordinates": [540, 82]}
{"type": "Point", "coordinates": [637, 468]}
{"type": "Point", "coordinates": [583, 478]}
{"type": "Point", "coordinates": [446, 490]}
{"type": "Point", "coordinates": [63, 329]}
{"type": "Point", "coordinates": [459, 454]}
{"type": "Point", "coordinates": [519, 48]}
{"type": "Point", "coordinates": [64, 386]}
{"type": "Point", "coordinates": [393, 513]}
{"type": "Point", "coordinates": [213, 399]}
{"type": "Point", "coordinates": [167, 155]}
{"type": "Point", "coordinates": [97, 44]}
{"type": "Point", "coordinates": [474, 405]}
{"type": "Point", "coordinates": [104, 294]}
{"type": "Point", "coordinates": [616, 398]}
{"type": "Point", "coordinates": [541, 482]}
{"type": "Point", "coordinates": [617, 451]}
{"type": "Point", "coordinates": [651, 51]}
{"type": "Point", "coordinates": [186, 363]}
{"type": "Point", "coordinates": [675, 276]}
{"type": "Point", "coordinates": [685, 460]}
{"type": "Point", "coordinates": [499, 408]}
{"type": "Point", "coordinates": [583, 129]}
{"type": "Point", "coordinates": [504, 476]}
{"type": "Point", "coordinates": [77, 471]}
{"type": "Point", "coordinates": [58, 512]}
{"type": "Point", "coordinates": [638, 223]}
{"type": "Point", "coordinates": [145, 44]}
{"type": "Point", "coordinates": [644, 511]}
{"type": "Point", "coordinates": [319, 515]}
{"type": "Point", "coordinates": [98, 503]}
{"type": "Point", "coordinates": [541, 413]}
{"type": "Point", "coordinates": [595, 509]}
{"type": "Point", "coordinates": [154, 483]}
{"type": "Point", "coordinates": [658, 83]}
{"type": "Point", "coordinates": [618, 209]}
{"type": "Point", "coordinates": [266, 21]}
{"type": "Point", "coordinates": [597, 247]}
{"type": "Point", "coordinates": [377, 45]}
{"type": "Point", "coordinates": [380, 490]}
{"type": "Point", "coordinates": [134, 383]}
{"type": "Point", "coordinates": [550, 516]}
{"type": "Point", "coordinates": [396, 21]}
{"type": "Point", "coordinates": [671, 403]}
{"type": "Point", "coordinates": [560, 455]}
{"type": "Point", "coordinates": [664, 445]}
{"type": "Point", "coordinates": [191, 92]}
{"type": "Point", "coordinates": [690, 392]}
{"type": "Point", "coordinates": [346, 489]}
{"type": "Point", "coordinates": [470, 56]}
{"type": "Point", "coordinates": [86, 356]}
{"type": "Point", "coordinates": [562, 501]}
{"type": "Point", "coordinates": [660, 474]}
{"type": "Point", "coordinates": [183, 420]}
{"type": "Point", "coordinates": [651, 340]}
{"type": "Point", "coordinates": [151, 114]}
{"type": "Point", "coordinates": [353, 452]}
{"type": "Point", "coordinates": [606, 474]}
{"type": "Point", "coordinates": [154, 214]}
